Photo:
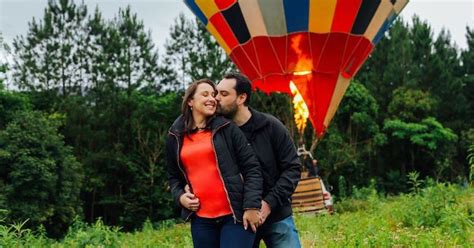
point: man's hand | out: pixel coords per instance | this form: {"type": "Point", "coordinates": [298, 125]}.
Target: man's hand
{"type": "Point", "coordinates": [265, 211]}
{"type": "Point", "coordinates": [252, 218]}
{"type": "Point", "coordinates": [189, 201]}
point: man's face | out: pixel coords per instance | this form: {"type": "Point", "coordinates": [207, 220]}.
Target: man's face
{"type": "Point", "coordinates": [227, 98]}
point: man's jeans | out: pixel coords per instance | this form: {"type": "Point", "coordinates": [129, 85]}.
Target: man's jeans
{"type": "Point", "coordinates": [220, 232]}
{"type": "Point", "coordinates": [281, 234]}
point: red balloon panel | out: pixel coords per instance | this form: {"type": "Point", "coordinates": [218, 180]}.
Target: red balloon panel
{"type": "Point", "coordinates": [242, 61]}
{"type": "Point", "coordinates": [351, 46]}
{"type": "Point", "coordinates": [344, 15]}
{"type": "Point", "coordinates": [357, 58]}
{"type": "Point", "coordinates": [224, 4]}
{"type": "Point", "coordinates": [332, 55]}
{"type": "Point", "coordinates": [279, 43]}
{"type": "Point", "coordinates": [268, 60]}
{"type": "Point", "coordinates": [273, 83]}
{"type": "Point", "coordinates": [318, 41]}
{"type": "Point", "coordinates": [249, 49]}
{"type": "Point", "coordinates": [224, 30]}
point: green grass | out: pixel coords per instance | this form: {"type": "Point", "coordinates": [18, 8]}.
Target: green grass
{"type": "Point", "coordinates": [438, 216]}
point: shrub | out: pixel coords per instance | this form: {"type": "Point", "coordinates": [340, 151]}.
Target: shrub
{"type": "Point", "coordinates": [41, 177]}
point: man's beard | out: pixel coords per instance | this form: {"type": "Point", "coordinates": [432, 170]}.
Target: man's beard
{"type": "Point", "coordinates": [229, 111]}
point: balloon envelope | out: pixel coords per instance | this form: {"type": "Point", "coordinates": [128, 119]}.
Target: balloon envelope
{"type": "Point", "coordinates": [318, 44]}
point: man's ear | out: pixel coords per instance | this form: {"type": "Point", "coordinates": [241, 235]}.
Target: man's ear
{"type": "Point", "coordinates": [241, 98]}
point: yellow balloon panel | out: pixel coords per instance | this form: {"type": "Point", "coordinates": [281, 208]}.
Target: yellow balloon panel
{"type": "Point", "coordinates": [321, 13]}
{"type": "Point", "coordinates": [218, 37]}
{"type": "Point", "coordinates": [208, 7]}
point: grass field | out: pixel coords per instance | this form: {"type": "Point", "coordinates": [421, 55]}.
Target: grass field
{"type": "Point", "coordinates": [437, 216]}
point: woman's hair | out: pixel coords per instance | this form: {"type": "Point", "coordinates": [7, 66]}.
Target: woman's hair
{"type": "Point", "coordinates": [186, 109]}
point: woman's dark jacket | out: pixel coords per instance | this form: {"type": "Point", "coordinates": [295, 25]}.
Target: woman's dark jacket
{"type": "Point", "coordinates": [237, 164]}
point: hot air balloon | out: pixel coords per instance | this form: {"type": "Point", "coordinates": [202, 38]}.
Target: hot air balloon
{"type": "Point", "coordinates": [309, 49]}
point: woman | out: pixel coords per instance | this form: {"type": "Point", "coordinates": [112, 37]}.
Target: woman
{"type": "Point", "coordinates": [212, 156]}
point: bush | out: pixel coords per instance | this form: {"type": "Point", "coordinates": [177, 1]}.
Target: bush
{"type": "Point", "coordinates": [439, 206]}
{"type": "Point", "coordinates": [98, 234]}
{"type": "Point", "coordinates": [41, 177]}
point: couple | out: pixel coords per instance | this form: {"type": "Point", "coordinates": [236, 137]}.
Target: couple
{"type": "Point", "coordinates": [233, 175]}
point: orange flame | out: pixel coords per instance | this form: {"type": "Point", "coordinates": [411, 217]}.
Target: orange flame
{"type": "Point", "coordinates": [301, 73]}
{"type": "Point", "coordinates": [303, 67]}
{"type": "Point", "coordinates": [304, 62]}
{"type": "Point", "coordinates": [301, 110]}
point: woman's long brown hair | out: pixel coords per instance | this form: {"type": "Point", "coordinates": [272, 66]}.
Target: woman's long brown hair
{"type": "Point", "coordinates": [186, 109]}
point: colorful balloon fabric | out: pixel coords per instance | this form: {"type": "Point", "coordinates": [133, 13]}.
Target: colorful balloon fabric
{"type": "Point", "coordinates": [318, 44]}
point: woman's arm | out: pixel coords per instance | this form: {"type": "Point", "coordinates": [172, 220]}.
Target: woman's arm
{"type": "Point", "coordinates": [175, 177]}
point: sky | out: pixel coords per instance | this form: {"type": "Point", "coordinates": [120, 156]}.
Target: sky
{"type": "Point", "coordinates": [159, 15]}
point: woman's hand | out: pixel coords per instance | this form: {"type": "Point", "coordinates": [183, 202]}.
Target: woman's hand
{"type": "Point", "coordinates": [252, 218]}
{"type": "Point", "coordinates": [189, 201]}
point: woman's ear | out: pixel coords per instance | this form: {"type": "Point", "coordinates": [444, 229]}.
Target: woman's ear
{"type": "Point", "coordinates": [190, 102]}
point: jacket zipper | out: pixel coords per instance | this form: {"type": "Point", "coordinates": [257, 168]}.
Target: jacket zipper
{"type": "Point", "coordinates": [181, 169]}
{"type": "Point", "coordinates": [219, 170]}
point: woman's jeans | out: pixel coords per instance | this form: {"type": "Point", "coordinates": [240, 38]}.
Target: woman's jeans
{"type": "Point", "coordinates": [220, 232]}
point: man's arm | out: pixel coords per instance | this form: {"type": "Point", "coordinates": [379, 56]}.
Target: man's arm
{"type": "Point", "coordinates": [290, 165]}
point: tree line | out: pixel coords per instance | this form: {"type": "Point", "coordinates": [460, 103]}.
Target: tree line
{"type": "Point", "coordinates": [83, 137]}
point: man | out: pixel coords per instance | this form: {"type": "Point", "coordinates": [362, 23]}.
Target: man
{"type": "Point", "coordinates": [276, 152]}
{"type": "Point", "coordinates": [310, 165]}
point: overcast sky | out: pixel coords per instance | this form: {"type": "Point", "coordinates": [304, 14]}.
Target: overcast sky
{"type": "Point", "coordinates": [158, 15]}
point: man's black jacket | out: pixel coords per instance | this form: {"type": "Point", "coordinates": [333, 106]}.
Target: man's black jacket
{"type": "Point", "coordinates": [281, 166]}
{"type": "Point", "coordinates": [238, 166]}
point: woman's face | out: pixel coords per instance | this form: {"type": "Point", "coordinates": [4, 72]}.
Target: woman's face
{"type": "Point", "coordinates": [204, 101]}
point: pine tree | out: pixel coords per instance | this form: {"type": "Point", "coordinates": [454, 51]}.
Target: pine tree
{"type": "Point", "coordinates": [124, 64]}
{"type": "Point", "coordinates": [421, 46]}
{"type": "Point", "coordinates": [388, 67]}
{"type": "Point", "coordinates": [446, 84]}
{"type": "Point", "coordinates": [194, 54]}
{"type": "Point", "coordinates": [467, 74]}
{"type": "Point", "coordinates": [49, 58]}
{"type": "Point", "coordinates": [208, 60]}
{"type": "Point", "coordinates": [176, 58]}
{"type": "Point", "coordinates": [3, 63]}
{"type": "Point", "coordinates": [134, 60]}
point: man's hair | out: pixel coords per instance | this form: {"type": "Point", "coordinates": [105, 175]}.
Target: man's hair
{"type": "Point", "coordinates": [242, 85]}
